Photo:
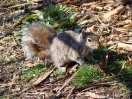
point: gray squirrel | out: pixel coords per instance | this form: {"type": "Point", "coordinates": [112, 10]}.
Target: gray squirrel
{"type": "Point", "coordinates": [39, 41]}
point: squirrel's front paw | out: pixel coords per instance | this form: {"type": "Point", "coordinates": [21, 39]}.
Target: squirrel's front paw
{"type": "Point", "coordinates": [81, 62]}
{"type": "Point", "coordinates": [62, 69]}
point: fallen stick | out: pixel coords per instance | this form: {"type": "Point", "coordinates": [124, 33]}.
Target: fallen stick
{"type": "Point", "coordinates": [88, 4]}
{"type": "Point", "coordinates": [115, 11]}
{"type": "Point", "coordinates": [71, 91]}
{"type": "Point", "coordinates": [21, 5]}
{"type": "Point", "coordinates": [128, 63]}
{"type": "Point", "coordinates": [66, 83]}
{"type": "Point", "coordinates": [43, 77]}
{"type": "Point", "coordinates": [27, 87]}
{"type": "Point", "coordinates": [100, 70]}
{"type": "Point", "coordinates": [89, 87]}
{"type": "Point", "coordinates": [19, 21]}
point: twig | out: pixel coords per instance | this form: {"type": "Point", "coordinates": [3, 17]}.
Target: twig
{"type": "Point", "coordinates": [5, 34]}
{"type": "Point", "coordinates": [15, 24]}
{"type": "Point", "coordinates": [121, 69]}
{"type": "Point", "coordinates": [66, 83]}
{"type": "Point", "coordinates": [43, 77]}
{"type": "Point", "coordinates": [125, 64]}
{"type": "Point", "coordinates": [71, 91]}
{"type": "Point", "coordinates": [19, 21]}
{"type": "Point", "coordinates": [21, 5]}
{"type": "Point", "coordinates": [114, 11]}
{"type": "Point", "coordinates": [112, 89]}
{"type": "Point", "coordinates": [89, 87]}
{"type": "Point", "coordinates": [101, 71]}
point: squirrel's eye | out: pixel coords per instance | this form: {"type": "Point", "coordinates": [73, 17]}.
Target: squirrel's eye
{"type": "Point", "coordinates": [89, 40]}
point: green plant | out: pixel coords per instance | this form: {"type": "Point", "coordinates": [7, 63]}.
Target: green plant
{"type": "Point", "coordinates": [37, 70]}
{"type": "Point", "coordinates": [57, 73]}
{"type": "Point", "coordinates": [58, 17]}
{"type": "Point", "coordinates": [99, 54]}
{"type": "Point", "coordinates": [86, 75]}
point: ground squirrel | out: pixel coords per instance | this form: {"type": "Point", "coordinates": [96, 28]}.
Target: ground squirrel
{"type": "Point", "coordinates": [40, 41]}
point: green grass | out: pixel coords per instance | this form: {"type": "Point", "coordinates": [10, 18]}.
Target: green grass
{"type": "Point", "coordinates": [86, 75]}
{"type": "Point", "coordinates": [57, 73]}
{"type": "Point", "coordinates": [114, 67]}
{"type": "Point", "coordinates": [35, 71]}
{"type": "Point", "coordinates": [89, 75]}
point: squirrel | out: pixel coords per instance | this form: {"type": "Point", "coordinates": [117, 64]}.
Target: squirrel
{"type": "Point", "coordinates": [42, 42]}
{"type": "Point", "coordinates": [36, 40]}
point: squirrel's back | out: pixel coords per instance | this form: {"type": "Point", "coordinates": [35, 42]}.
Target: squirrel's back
{"type": "Point", "coordinates": [36, 40]}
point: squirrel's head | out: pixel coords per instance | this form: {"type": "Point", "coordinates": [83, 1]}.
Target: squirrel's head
{"type": "Point", "coordinates": [91, 40]}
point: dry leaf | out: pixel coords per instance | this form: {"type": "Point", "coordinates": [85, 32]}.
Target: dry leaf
{"type": "Point", "coordinates": [2, 48]}
{"type": "Point", "coordinates": [127, 26]}
{"type": "Point", "coordinates": [124, 46]}
{"type": "Point", "coordinates": [128, 63]}
{"type": "Point", "coordinates": [56, 89]}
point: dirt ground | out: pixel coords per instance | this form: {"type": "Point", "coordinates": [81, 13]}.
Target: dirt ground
{"type": "Point", "coordinates": [13, 63]}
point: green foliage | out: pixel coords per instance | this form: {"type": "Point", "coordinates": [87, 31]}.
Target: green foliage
{"type": "Point", "coordinates": [57, 17]}
{"type": "Point", "coordinates": [83, 22]}
{"type": "Point", "coordinates": [35, 71]}
{"type": "Point", "coordinates": [109, 48]}
{"type": "Point", "coordinates": [99, 54]}
{"type": "Point", "coordinates": [57, 73]}
{"type": "Point", "coordinates": [114, 67]}
{"type": "Point", "coordinates": [86, 75]}
{"type": "Point", "coordinates": [31, 18]}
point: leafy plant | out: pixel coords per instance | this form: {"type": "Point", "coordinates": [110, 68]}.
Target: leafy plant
{"type": "Point", "coordinates": [58, 17]}
{"type": "Point", "coordinates": [35, 71]}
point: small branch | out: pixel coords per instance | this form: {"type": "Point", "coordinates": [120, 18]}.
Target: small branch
{"type": "Point", "coordinates": [19, 21]}
{"type": "Point", "coordinates": [115, 11]}
{"type": "Point", "coordinates": [21, 5]}
{"type": "Point", "coordinates": [100, 70]}
{"type": "Point", "coordinates": [39, 80]}
{"type": "Point", "coordinates": [71, 91]}
{"type": "Point", "coordinates": [66, 83]}
{"type": "Point", "coordinates": [121, 69]}
{"type": "Point", "coordinates": [43, 77]}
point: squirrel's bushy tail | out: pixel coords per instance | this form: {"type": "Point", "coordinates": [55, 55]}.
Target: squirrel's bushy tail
{"type": "Point", "coordinates": [36, 40]}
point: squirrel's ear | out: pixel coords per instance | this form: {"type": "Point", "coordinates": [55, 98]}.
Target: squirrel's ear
{"type": "Point", "coordinates": [83, 33]}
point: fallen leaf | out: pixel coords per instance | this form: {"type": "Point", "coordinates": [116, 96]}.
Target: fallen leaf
{"type": "Point", "coordinates": [124, 46]}
{"type": "Point", "coordinates": [2, 48]}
